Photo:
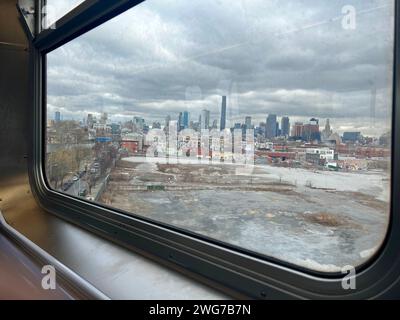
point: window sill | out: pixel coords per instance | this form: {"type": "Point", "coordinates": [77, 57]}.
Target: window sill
{"type": "Point", "coordinates": [117, 272]}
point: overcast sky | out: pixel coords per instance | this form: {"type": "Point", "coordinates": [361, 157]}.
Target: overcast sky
{"type": "Point", "coordinates": [287, 57]}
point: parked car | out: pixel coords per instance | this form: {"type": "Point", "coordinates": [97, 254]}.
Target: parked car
{"type": "Point", "coordinates": [65, 187]}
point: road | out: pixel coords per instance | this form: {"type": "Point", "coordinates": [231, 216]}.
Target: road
{"type": "Point", "coordinates": [76, 187]}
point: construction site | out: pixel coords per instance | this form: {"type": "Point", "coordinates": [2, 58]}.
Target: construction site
{"type": "Point", "coordinates": [319, 220]}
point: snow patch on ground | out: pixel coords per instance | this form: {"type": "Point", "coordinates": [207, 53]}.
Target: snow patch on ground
{"type": "Point", "coordinates": [373, 183]}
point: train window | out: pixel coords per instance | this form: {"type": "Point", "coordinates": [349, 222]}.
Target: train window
{"type": "Point", "coordinates": [265, 125]}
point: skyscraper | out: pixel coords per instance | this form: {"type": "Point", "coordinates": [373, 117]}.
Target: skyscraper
{"type": "Point", "coordinates": [138, 123]}
{"type": "Point", "coordinates": [186, 119]}
{"type": "Point", "coordinates": [248, 122]}
{"type": "Point", "coordinates": [270, 131]}
{"type": "Point", "coordinates": [167, 121]}
{"type": "Point", "coordinates": [205, 119]}
{"type": "Point", "coordinates": [223, 114]}
{"type": "Point", "coordinates": [90, 120]}
{"type": "Point", "coordinates": [57, 116]}
{"type": "Point", "coordinates": [156, 125]}
{"type": "Point", "coordinates": [180, 121]}
{"type": "Point", "coordinates": [104, 118]}
{"type": "Point", "coordinates": [285, 126]}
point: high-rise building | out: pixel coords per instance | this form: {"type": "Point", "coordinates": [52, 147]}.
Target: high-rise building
{"type": "Point", "coordinates": [138, 123]}
{"type": "Point", "coordinates": [90, 120]}
{"type": "Point", "coordinates": [385, 139]}
{"type": "Point", "coordinates": [223, 114]}
{"type": "Point", "coordinates": [167, 121]}
{"type": "Point", "coordinates": [104, 118]}
{"type": "Point", "coordinates": [156, 125]}
{"type": "Point", "coordinates": [205, 119]}
{"type": "Point", "coordinates": [297, 131]}
{"type": "Point", "coordinates": [248, 122]}
{"type": "Point", "coordinates": [311, 131]}
{"type": "Point", "coordinates": [261, 129]}
{"type": "Point", "coordinates": [271, 131]}
{"type": "Point", "coordinates": [180, 121]}
{"type": "Point", "coordinates": [195, 126]}
{"type": "Point", "coordinates": [186, 119]}
{"type": "Point", "coordinates": [115, 128]}
{"type": "Point", "coordinates": [285, 126]}
{"type": "Point", "coordinates": [57, 116]}
{"type": "Point", "coordinates": [352, 137]}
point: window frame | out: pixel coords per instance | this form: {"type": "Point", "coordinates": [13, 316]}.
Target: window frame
{"type": "Point", "coordinates": [231, 267]}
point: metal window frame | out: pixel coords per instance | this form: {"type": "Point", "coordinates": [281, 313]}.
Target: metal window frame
{"type": "Point", "coordinates": [237, 270]}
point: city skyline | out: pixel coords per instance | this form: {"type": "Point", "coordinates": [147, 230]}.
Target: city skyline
{"type": "Point", "coordinates": [280, 120]}
{"type": "Point", "coordinates": [166, 64]}
{"type": "Point", "coordinates": [341, 125]}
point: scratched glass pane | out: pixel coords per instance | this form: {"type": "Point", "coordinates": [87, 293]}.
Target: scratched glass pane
{"type": "Point", "coordinates": [265, 125]}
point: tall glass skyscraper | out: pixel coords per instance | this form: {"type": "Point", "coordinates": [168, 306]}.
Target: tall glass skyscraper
{"type": "Point", "coordinates": [57, 116]}
{"type": "Point", "coordinates": [248, 122]}
{"type": "Point", "coordinates": [186, 119]}
{"type": "Point", "coordinates": [285, 126]}
{"type": "Point", "coordinates": [223, 114]}
{"type": "Point", "coordinates": [271, 131]}
{"type": "Point", "coordinates": [180, 121]}
{"type": "Point", "coordinates": [205, 119]}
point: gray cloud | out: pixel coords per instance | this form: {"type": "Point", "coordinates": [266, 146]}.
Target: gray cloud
{"type": "Point", "coordinates": [285, 57]}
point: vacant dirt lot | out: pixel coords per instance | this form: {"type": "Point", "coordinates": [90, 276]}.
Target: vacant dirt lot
{"type": "Point", "coordinates": [321, 228]}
